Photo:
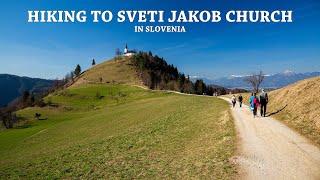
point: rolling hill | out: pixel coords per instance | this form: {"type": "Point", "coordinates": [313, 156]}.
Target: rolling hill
{"type": "Point", "coordinates": [119, 70]}
{"type": "Point", "coordinates": [301, 103]}
{"type": "Point", "coordinates": [112, 129]}
{"type": "Point", "coordinates": [13, 86]}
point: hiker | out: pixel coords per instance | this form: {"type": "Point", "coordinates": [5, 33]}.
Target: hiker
{"type": "Point", "coordinates": [254, 103]}
{"type": "Point", "coordinates": [251, 102]}
{"type": "Point", "coordinates": [233, 100]}
{"type": "Point", "coordinates": [240, 98]}
{"type": "Point", "coordinates": [263, 101]}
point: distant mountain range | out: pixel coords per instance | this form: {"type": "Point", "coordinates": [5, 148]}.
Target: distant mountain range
{"type": "Point", "coordinates": [13, 86]}
{"type": "Point", "coordinates": [271, 81]}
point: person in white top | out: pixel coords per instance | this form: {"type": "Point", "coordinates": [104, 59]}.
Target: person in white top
{"type": "Point", "coordinates": [233, 100]}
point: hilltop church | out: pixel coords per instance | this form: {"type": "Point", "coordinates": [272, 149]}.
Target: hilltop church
{"type": "Point", "coordinates": [128, 52]}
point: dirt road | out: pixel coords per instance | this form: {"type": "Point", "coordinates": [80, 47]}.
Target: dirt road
{"type": "Point", "coordinates": [270, 150]}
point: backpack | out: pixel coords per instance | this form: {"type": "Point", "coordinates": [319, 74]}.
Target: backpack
{"type": "Point", "coordinates": [264, 97]}
{"type": "Point", "coordinates": [256, 102]}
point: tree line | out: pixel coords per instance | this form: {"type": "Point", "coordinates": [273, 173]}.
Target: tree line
{"type": "Point", "coordinates": [156, 73]}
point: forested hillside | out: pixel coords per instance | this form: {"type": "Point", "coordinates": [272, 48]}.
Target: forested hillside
{"type": "Point", "coordinates": [13, 86]}
{"type": "Point", "coordinates": [156, 73]}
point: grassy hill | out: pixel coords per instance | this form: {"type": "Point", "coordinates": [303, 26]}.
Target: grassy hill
{"type": "Point", "coordinates": [302, 107]}
{"type": "Point", "coordinates": [119, 70]}
{"type": "Point", "coordinates": [298, 106]}
{"type": "Point", "coordinates": [116, 130]}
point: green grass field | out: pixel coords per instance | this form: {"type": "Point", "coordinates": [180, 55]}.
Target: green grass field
{"type": "Point", "coordinates": [121, 132]}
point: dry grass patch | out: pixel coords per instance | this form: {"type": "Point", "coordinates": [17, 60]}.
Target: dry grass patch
{"type": "Point", "coordinates": [302, 107]}
{"type": "Point", "coordinates": [117, 70]}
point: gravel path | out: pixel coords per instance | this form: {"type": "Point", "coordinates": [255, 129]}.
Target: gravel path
{"type": "Point", "coordinates": [269, 149]}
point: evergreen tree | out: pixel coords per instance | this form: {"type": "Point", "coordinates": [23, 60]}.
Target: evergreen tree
{"type": "Point", "coordinates": [93, 62]}
{"type": "Point", "coordinates": [200, 86]}
{"type": "Point", "coordinates": [77, 71]}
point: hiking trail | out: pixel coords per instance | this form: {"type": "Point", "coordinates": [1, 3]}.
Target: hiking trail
{"type": "Point", "coordinates": [269, 149]}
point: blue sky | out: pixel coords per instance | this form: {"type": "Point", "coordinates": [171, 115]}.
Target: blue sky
{"type": "Point", "coordinates": [209, 50]}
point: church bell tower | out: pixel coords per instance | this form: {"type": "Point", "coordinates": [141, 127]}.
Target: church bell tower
{"type": "Point", "coordinates": [126, 49]}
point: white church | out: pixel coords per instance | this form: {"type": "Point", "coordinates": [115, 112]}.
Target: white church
{"type": "Point", "coordinates": [128, 52]}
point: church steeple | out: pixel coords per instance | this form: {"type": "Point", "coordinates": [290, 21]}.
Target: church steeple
{"type": "Point", "coordinates": [127, 52]}
{"type": "Point", "coordinates": [126, 49]}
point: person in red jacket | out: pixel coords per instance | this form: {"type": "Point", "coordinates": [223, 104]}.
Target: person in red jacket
{"type": "Point", "coordinates": [256, 104]}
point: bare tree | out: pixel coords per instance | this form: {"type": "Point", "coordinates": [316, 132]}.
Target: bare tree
{"type": "Point", "coordinates": [255, 80]}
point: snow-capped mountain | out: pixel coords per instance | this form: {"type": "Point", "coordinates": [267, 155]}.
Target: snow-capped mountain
{"type": "Point", "coordinates": [271, 81]}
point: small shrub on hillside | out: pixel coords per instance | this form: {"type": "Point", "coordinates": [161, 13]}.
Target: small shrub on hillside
{"type": "Point", "coordinates": [37, 116]}
{"type": "Point", "coordinates": [8, 119]}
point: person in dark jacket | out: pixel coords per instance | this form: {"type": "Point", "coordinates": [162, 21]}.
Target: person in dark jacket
{"type": "Point", "coordinates": [263, 103]}
{"type": "Point", "coordinates": [240, 99]}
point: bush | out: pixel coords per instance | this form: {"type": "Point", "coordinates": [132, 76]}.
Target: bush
{"type": "Point", "coordinates": [8, 119]}
{"type": "Point", "coordinates": [37, 116]}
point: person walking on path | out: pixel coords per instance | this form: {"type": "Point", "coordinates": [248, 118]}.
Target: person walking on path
{"type": "Point", "coordinates": [254, 103]}
{"type": "Point", "coordinates": [263, 101]}
{"type": "Point", "coordinates": [240, 98]}
{"type": "Point", "coordinates": [251, 102]}
{"type": "Point", "coordinates": [233, 100]}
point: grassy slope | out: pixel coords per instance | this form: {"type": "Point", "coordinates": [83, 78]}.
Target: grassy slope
{"type": "Point", "coordinates": [130, 132]}
{"type": "Point", "coordinates": [302, 112]}
{"type": "Point", "coordinates": [303, 107]}
{"type": "Point", "coordinates": [116, 70]}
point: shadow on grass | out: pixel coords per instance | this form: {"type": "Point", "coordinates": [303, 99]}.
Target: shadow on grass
{"type": "Point", "coordinates": [276, 112]}
{"type": "Point", "coordinates": [28, 124]}
{"type": "Point", "coordinates": [55, 105]}
{"type": "Point", "coordinates": [23, 126]}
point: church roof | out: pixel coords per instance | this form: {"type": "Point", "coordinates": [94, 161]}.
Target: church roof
{"type": "Point", "coordinates": [131, 51]}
